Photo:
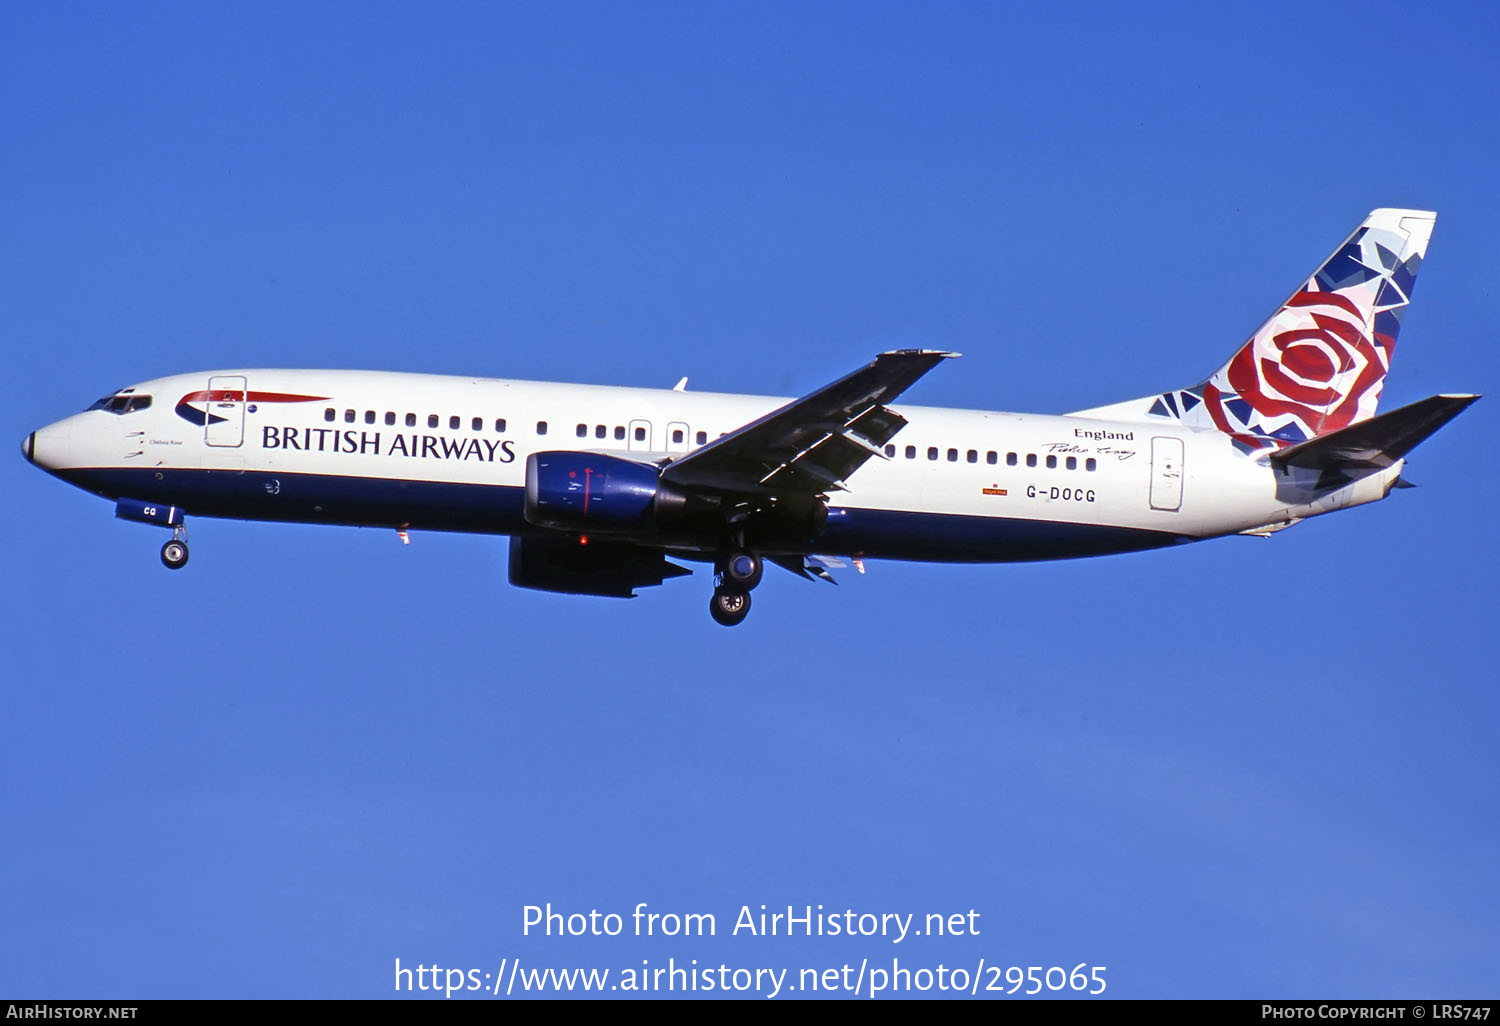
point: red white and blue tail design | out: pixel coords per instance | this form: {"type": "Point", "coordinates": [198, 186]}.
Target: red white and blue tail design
{"type": "Point", "coordinates": [1318, 364]}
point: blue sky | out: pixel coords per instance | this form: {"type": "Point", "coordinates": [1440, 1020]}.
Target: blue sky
{"type": "Point", "coordinates": [1239, 769]}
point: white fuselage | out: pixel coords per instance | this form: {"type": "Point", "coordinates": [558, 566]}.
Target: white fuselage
{"type": "Point", "coordinates": [427, 451]}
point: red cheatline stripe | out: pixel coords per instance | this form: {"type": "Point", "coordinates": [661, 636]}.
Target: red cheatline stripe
{"type": "Point", "coordinates": [233, 395]}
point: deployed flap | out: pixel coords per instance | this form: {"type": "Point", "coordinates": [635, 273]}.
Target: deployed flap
{"type": "Point", "coordinates": [814, 444]}
{"type": "Point", "coordinates": [1373, 444]}
{"type": "Point", "coordinates": [807, 567]}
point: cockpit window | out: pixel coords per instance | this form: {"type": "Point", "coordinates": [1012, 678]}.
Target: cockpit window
{"type": "Point", "coordinates": [122, 404]}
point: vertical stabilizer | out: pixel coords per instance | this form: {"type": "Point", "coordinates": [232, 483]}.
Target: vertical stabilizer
{"type": "Point", "coordinates": [1318, 363]}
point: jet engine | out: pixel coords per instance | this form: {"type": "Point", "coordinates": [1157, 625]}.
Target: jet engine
{"type": "Point", "coordinates": [576, 491]}
{"type": "Point", "coordinates": [600, 568]}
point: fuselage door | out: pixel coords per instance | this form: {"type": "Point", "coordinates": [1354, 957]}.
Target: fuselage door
{"type": "Point", "coordinates": [1166, 474]}
{"type": "Point", "coordinates": [225, 411]}
{"type": "Point", "coordinates": [640, 436]}
{"type": "Point", "coordinates": [677, 437]}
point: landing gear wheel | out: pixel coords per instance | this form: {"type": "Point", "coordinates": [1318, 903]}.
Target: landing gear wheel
{"type": "Point", "coordinates": [174, 554]}
{"type": "Point", "coordinates": [729, 608]}
{"type": "Point", "coordinates": [741, 570]}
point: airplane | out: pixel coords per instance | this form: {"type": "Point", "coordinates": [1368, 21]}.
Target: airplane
{"type": "Point", "coordinates": [598, 486]}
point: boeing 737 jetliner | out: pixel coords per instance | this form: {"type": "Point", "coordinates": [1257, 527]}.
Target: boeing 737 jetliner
{"type": "Point", "coordinates": [598, 486]}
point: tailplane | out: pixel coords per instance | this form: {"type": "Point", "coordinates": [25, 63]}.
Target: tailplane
{"type": "Point", "coordinates": [1318, 363]}
{"type": "Point", "coordinates": [1370, 446]}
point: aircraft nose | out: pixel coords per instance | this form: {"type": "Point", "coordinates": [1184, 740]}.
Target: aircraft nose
{"type": "Point", "coordinates": [48, 447]}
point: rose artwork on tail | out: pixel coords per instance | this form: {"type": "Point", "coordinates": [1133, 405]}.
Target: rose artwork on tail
{"type": "Point", "coordinates": [1318, 363]}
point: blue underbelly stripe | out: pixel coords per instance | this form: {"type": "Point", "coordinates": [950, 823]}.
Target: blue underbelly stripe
{"type": "Point", "coordinates": [497, 509]}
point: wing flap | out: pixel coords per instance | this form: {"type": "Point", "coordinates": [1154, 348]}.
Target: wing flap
{"type": "Point", "coordinates": [807, 567]}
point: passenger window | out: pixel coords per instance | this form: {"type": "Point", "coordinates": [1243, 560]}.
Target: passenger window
{"type": "Point", "coordinates": [973, 456]}
{"type": "Point", "coordinates": [600, 431]}
{"type": "Point", "coordinates": [1010, 459]}
{"type": "Point", "coordinates": [992, 457]}
{"type": "Point", "coordinates": [411, 420]}
{"type": "Point", "coordinates": [390, 419]}
{"type": "Point", "coordinates": [702, 437]}
{"type": "Point", "coordinates": [952, 455]}
{"type": "Point", "coordinates": [677, 437]}
{"type": "Point", "coordinates": [890, 450]}
{"type": "Point", "coordinates": [619, 433]}
{"type": "Point", "coordinates": [541, 427]}
{"type": "Point", "coordinates": [499, 425]}
{"type": "Point", "coordinates": [583, 430]}
{"type": "Point", "coordinates": [911, 452]}
{"type": "Point", "coordinates": [348, 416]}
{"type": "Point", "coordinates": [1031, 459]}
{"type": "Point", "coordinates": [369, 416]}
{"type": "Point", "coordinates": [452, 423]}
{"type": "Point", "coordinates": [1051, 462]}
{"type": "Point", "coordinates": [640, 434]}
{"type": "Point", "coordinates": [932, 452]}
{"type": "Point", "coordinates": [477, 424]}
{"type": "Point", "coordinates": [1072, 462]}
{"type": "Point", "coordinates": [432, 420]}
{"type": "Point", "coordinates": [1090, 464]}
{"type": "Point", "coordinates": [329, 414]}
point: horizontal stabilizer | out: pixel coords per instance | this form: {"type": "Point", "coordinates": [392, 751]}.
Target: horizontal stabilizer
{"type": "Point", "coordinates": [1373, 444]}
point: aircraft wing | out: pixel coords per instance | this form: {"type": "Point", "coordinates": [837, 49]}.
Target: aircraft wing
{"type": "Point", "coordinates": [811, 445]}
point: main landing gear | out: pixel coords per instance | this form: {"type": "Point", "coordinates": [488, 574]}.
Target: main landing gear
{"type": "Point", "coordinates": [734, 576]}
{"type": "Point", "coordinates": [729, 608]}
{"type": "Point", "coordinates": [174, 554]}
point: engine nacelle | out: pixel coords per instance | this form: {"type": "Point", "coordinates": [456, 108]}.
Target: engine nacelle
{"type": "Point", "coordinates": [600, 568]}
{"type": "Point", "coordinates": [578, 491]}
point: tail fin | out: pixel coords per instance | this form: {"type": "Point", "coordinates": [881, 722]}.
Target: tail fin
{"type": "Point", "coordinates": [1318, 363]}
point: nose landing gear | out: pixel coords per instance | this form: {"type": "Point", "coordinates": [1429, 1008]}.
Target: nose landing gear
{"type": "Point", "coordinates": [174, 554]}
